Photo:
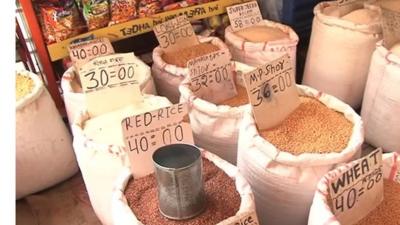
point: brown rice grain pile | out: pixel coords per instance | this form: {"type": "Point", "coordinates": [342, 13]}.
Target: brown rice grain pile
{"type": "Point", "coordinates": [24, 86]}
{"type": "Point", "coordinates": [312, 128]}
{"type": "Point", "coordinates": [181, 57]}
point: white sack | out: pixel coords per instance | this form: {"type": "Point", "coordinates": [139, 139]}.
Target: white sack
{"type": "Point", "coordinates": [44, 155]}
{"type": "Point", "coordinates": [123, 215]}
{"type": "Point", "coordinates": [168, 77]}
{"type": "Point", "coordinates": [381, 104]}
{"type": "Point", "coordinates": [339, 53]}
{"type": "Point", "coordinates": [284, 184]}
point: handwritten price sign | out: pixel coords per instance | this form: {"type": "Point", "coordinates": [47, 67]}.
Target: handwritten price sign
{"type": "Point", "coordinates": [244, 15]}
{"type": "Point", "coordinates": [82, 52]}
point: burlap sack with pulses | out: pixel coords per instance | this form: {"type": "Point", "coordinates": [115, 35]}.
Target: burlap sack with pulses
{"type": "Point", "coordinates": [75, 100]}
{"type": "Point", "coordinates": [168, 77]}
{"type": "Point", "coordinates": [381, 103]}
{"type": "Point", "coordinates": [340, 52]}
{"type": "Point", "coordinates": [284, 184]}
{"type": "Point", "coordinates": [216, 127]}
{"type": "Point", "coordinates": [44, 155]}
{"type": "Point", "coordinates": [256, 54]}
{"type": "Point", "coordinates": [123, 215]}
{"type": "Point", "coordinates": [320, 212]}
{"type": "Point", "coordinates": [100, 165]}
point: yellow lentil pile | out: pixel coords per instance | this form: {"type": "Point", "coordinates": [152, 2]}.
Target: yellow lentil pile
{"type": "Point", "coordinates": [24, 86]}
{"type": "Point", "coordinates": [239, 100]}
{"type": "Point", "coordinates": [388, 212]}
{"type": "Point", "coordinates": [181, 57]}
{"type": "Point", "coordinates": [311, 128]}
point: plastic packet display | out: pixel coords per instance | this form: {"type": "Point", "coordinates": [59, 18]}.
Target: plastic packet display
{"type": "Point", "coordinates": [180, 4]}
{"type": "Point", "coordinates": [149, 7]}
{"type": "Point", "coordinates": [122, 10]}
{"type": "Point", "coordinates": [96, 13]}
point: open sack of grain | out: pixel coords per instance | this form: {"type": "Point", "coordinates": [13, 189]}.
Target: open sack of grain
{"type": "Point", "coordinates": [381, 103]}
{"type": "Point", "coordinates": [44, 155]}
{"type": "Point", "coordinates": [387, 212]}
{"type": "Point", "coordinates": [262, 43]}
{"type": "Point", "coordinates": [74, 98]}
{"type": "Point", "coordinates": [99, 148]}
{"type": "Point", "coordinates": [229, 198]}
{"type": "Point", "coordinates": [169, 69]}
{"type": "Point", "coordinates": [216, 126]}
{"type": "Point", "coordinates": [341, 45]}
{"type": "Point", "coordinates": [284, 164]}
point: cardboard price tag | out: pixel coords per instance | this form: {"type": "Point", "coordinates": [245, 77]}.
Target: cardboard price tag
{"type": "Point", "coordinates": [211, 77]}
{"type": "Point", "coordinates": [359, 189]}
{"type": "Point", "coordinates": [272, 90]}
{"type": "Point", "coordinates": [249, 218]}
{"type": "Point", "coordinates": [390, 25]}
{"type": "Point", "coordinates": [110, 82]}
{"type": "Point", "coordinates": [244, 15]}
{"type": "Point", "coordinates": [145, 133]}
{"type": "Point", "coordinates": [82, 52]}
{"type": "Point", "coordinates": [175, 34]}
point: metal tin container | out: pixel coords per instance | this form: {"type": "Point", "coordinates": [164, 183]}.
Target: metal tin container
{"type": "Point", "coordinates": [178, 170]}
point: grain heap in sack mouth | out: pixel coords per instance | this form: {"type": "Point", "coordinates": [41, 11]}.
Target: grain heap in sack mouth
{"type": "Point", "coordinates": [24, 86]}
{"type": "Point", "coordinates": [361, 16]}
{"type": "Point", "coordinates": [264, 33]}
{"type": "Point", "coordinates": [181, 57]}
{"type": "Point", "coordinates": [239, 100]}
{"type": "Point", "coordinates": [223, 200]}
{"type": "Point", "coordinates": [311, 128]}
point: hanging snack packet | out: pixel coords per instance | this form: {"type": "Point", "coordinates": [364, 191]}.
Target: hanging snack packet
{"type": "Point", "coordinates": [149, 7]}
{"type": "Point", "coordinates": [96, 13]}
{"type": "Point", "coordinates": [122, 11]}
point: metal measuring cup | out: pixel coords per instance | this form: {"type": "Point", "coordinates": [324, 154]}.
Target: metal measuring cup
{"type": "Point", "coordinates": [178, 170]}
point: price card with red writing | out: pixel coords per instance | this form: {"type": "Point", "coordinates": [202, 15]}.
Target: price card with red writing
{"type": "Point", "coordinates": [145, 133]}
{"type": "Point", "coordinates": [358, 189]}
{"type": "Point", "coordinates": [248, 218]}
{"type": "Point", "coordinates": [391, 23]}
{"type": "Point", "coordinates": [272, 92]}
{"type": "Point", "coordinates": [244, 15]}
{"type": "Point", "coordinates": [110, 82]}
{"type": "Point", "coordinates": [211, 76]}
{"type": "Point", "coordinates": [175, 34]}
{"type": "Point", "coordinates": [82, 52]}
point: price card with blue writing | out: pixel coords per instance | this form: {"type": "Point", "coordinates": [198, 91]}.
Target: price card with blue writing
{"type": "Point", "coordinates": [358, 189]}
{"type": "Point", "coordinates": [175, 34]}
{"type": "Point", "coordinates": [82, 52]}
{"type": "Point", "coordinates": [110, 82]}
{"type": "Point", "coordinates": [390, 23]}
{"type": "Point", "coordinates": [211, 77]}
{"type": "Point", "coordinates": [272, 92]}
{"type": "Point", "coordinates": [244, 15]}
{"type": "Point", "coordinates": [145, 133]}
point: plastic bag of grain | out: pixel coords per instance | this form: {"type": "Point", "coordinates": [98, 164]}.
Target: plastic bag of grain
{"type": "Point", "coordinates": [74, 98]}
{"type": "Point", "coordinates": [381, 102]}
{"type": "Point", "coordinates": [387, 213]}
{"type": "Point", "coordinates": [44, 154]}
{"type": "Point", "coordinates": [216, 126]}
{"type": "Point", "coordinates": [284, 181]}
{"type": "Point", "coordinates": [262, 43]}
{"type": "Point", "coordinates": [99, 148]}
{"type": "Point", "coordinates": [224, 207]}
{"type": "Point", "coordinates": [169, 69]}
{"type": "Point", "coordinates": [341, 45]}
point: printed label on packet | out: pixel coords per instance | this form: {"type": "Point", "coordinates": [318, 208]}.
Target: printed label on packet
{"type": "Point", "coordinates": [249, 218]}
{"type": "Point", "coordinates": [110, 82]}
{"type": "Point", "coordinates": [390, 25]}
{"type": "Point", "coordinates": [211, 77]}
{"type": "Point", "coordinates": [144, 133]}
{"type": "Point", "coordinates": [82, 52]}
{"type": "Point", "coordinates": [272, 90]}
{"type": "Point", "coordinates": [175, 34]}
{"type": "Point", "coordinates": [244, 15]}
{"type": "Point", "coordinates": [358, 190]}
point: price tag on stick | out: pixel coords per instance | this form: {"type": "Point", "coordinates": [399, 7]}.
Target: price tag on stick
{"type": "Point", "coordinates": [211, 77]}
{"type": "Point", "coordinates": [358, 190]}
{"type": "Point", "coordinates": [390, 25]}
{"type": "Point", "coordinates": [175, 34]}
{"type": "Point", "coordinates": [82, 52]}
{"type": "Point", "coordinates": [110, 82]}
{"type": "Point", "coordinates": [244, 15]}
{"type": "Point", "coordinates": [272, 91]}
{"type": "Point", "coordinates": [145, 133]}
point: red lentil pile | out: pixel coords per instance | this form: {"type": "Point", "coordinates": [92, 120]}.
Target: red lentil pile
{"type": "Point", "coordinates": [223, 201]}
{"type": "Point", "coordinates": [239, 100]}
{"type": "Point", "coordinates": [181, 57]}
{"type": "Point", "coordinates": [312, 128]}
{"type": "Point", "coordinates": [388, 212]}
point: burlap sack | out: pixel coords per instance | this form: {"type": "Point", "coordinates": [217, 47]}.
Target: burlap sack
{"type": "Point", "coordinates": [44, 155]}
{"type": "Point", "coordinates": [340, 52]}
{"type": "Point", "coordinates": [168, 77]}
{"type": "Point", "coordinates": [381, 103]}
{"type": "Point", "coordinates": [284, 184]}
